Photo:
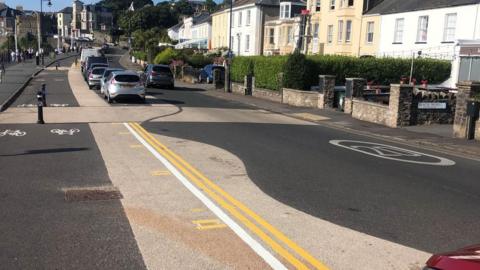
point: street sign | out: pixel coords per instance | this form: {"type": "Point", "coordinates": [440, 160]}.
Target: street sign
{"type": "Point", "coordinates": [432, 105]}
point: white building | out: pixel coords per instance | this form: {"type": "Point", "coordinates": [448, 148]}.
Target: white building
{"type": "Point", "coordinates": [195, 32]}
{"type": "Point", "coordinates": [248, 25]}
{"type": "Point", "coordinates": [432, 27]}
{"type": "Point", "coordinates": [64, 23]}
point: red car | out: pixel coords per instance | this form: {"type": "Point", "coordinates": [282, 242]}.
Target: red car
{"type": "Point", "coordinates": [463, 259]}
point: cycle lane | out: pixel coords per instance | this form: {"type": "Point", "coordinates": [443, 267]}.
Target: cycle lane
{"type": "Point", "coordinates": [58, 207]}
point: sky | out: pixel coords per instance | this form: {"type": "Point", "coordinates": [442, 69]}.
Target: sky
{"type": "Point", "coordinates": [56, 4]}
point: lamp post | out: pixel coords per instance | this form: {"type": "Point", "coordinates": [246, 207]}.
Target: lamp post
{"type": "Point", "coordinates": [39, 25]}
{"type": "Point", "coordinates": [229, 61]}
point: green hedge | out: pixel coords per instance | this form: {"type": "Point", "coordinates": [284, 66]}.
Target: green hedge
{"type": "Point", "coordinates": [241, 66]}
{"type": "Point", "coordinates": [381, 70]}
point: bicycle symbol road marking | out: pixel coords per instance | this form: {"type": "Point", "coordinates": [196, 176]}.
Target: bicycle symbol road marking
{"type": "Point", "coordinates": [392, 153]}
{"type": "Point", "coordinates": [69, 132]}
{"type": "Point", "coordinates": [15, 133]}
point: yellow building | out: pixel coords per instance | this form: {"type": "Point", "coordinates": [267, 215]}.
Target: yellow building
{"type": "Point", "coordinates": [338, 27]}
{"type": "Point", "coordinates": [370, 40]}
{"type": "Point", "coordinates": [281, 34]}
{"type": "Point", "coordinates": [220, 23]}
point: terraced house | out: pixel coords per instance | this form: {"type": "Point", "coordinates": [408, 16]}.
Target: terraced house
{"type": "Point", "coordinates": [336, 26]}
{"type": "Point", "coordinates": [281, 35]}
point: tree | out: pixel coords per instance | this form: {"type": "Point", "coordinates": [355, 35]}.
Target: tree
{"type": "Point", "coordinates": [211, 6]}
{"type": "Point", "coordinates": [183, 7]}
{"type": "Point", "coordinates": [118, 7]}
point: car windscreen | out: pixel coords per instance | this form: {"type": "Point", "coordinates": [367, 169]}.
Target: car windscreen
{"type": "Point", "coordinates": [127, 78]}
{"type": "Point", "coordinates": [162, 70]}
{"type": "Point", "coordinates": [98, 71]}
{"type": "Point", "coordinates": [98, 65]}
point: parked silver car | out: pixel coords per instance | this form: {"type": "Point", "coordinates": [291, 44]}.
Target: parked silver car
{"type": "Point", "coordinates": [94, 76]}
{"type": "Point", "coordinates": [123, 84]}
{"type": "Point", "coordinates": [103, 80]}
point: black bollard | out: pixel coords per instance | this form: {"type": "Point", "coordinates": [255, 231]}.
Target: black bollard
{"type": "Point", "coordinates": [44, 95]}
{"type": "Point", "coordinates": [40, 108]}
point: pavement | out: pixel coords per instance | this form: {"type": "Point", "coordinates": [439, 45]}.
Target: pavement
{"type": "Point", "coordinates": [210, 180]}
{"type": "Point", "coordinates": [17, 75]}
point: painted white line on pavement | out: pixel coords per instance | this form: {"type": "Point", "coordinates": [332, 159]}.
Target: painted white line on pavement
{"type": "Point", "coordinates": [15, 133]}
{"type": "Point", "coordinates": [70, 132]}
{"type": "Point", "coordinates": [257, 247]}
{"type": "Point", "coordinates": [392, 152]}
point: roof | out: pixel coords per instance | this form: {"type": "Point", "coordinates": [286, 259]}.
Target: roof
{"type": "Point", "coordinates": [239, 3]}
{"type": "Point", "coordinates": [176, 26]}
{"type": "Point", "coordinates": [68, 10]}
{"type": "Point", "coordinates": [397, 6]}
{"type": "Point", "coordinates": [202, 18]}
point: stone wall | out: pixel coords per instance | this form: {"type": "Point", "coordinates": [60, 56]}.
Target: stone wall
{"type": "Point", "coordinates": [371, 112]}
{"type": "Point", "coordinates": [466, 90]}
{"type": "Point", "coordinates": [300, 98]}
{"type": "Point", "coordinates": [271, 95]}
{"type": "Point", "coordinates": [238, 88]}
{"type": "Point", "coordinates": [477, 130]}
{"type": "Point", "coordinates": [433, 116]}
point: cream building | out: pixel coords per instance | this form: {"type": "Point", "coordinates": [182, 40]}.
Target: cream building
{"type": "Point", "coordinates": [220, 26]}
{"type": "Point", "coordinates": [336, 26]}
{"type": "Point", "coordinates": [281, 35]}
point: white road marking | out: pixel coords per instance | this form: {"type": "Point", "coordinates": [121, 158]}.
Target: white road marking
{"type": "Point", "coordinates": [15, 133]}
{"type": "Point", "coordinates": [392, 152]}
{"type": "Point", "coordinates": [59, 105]}
{"type": "Point", "coordinates": [26, 105]}
{"type": "Point", "coordinates": [69, 132]}
{"type": "Point", "coordinates": [257, 247]}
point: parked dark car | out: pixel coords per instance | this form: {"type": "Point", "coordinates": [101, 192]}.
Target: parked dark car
{"type": "Point", "coordinates": [467, 258]}
{"type": "Point", "coordinates": [158, 75]}
{"type": "Point", "coordinates": [206, 74]}
{"type": "Point", "coordinates": [93, 60]}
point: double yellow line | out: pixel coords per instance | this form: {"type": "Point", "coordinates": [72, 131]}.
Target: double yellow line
{"type": "Point", "coordinates": [234, 207]}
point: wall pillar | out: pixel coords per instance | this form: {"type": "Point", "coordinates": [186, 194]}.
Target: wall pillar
{"type": "Point", "coordinates": [466, 90]}
{"type": "Point", "coordinates": [327, 86]}
{"type": "Point", "coordinates": [400, 105]}
{"type": "Point", "coordinates": [353, 89]}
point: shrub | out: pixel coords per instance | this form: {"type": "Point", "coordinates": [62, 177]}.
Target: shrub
{"type": "Point", "coordinates": [266, 69]}
{"type": "Point", "coordinates": [140, 55]}
{"type": "Point", "coordinates": [241, 66]}
{"type": "Point", "coordinates": [296, 72]}
{"type": "Point", "coordinates": [199, 60]}
{"type": "Point", "coordinates": [381, 70]}
{"type": "Point", "coordinates": [165, 57]}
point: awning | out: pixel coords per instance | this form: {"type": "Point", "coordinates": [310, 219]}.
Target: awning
{"type": "Point", "coordinates": [193, 43]}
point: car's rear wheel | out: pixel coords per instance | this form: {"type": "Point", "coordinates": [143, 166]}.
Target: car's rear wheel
{"type": "Point", "coordinates": [109, 98]}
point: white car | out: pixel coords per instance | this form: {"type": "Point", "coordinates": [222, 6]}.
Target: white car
{"type": "Point", "coordinates": [124, 84]}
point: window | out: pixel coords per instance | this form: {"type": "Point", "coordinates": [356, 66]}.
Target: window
{"type": "Point", "coordinates": [284, 10]}
{"type": "Point", "coordinates": [450, 25]}
{"type": "Point", "coordinates": [370, 29]}
{"type": "Point", "coordinates": [240, 18]}
{"type": "Point", "coordinates": [340, 31]}
{"type": "Point", "coordinates": [350, 3]}
{"type": "Point", "coordinates": [247, 43]}
{"type": "Point", "coordinates": [332, 4]}
{"type": "Point", "coordinates": [290, 35]}
{"type": "Point", "coordinates": [248, 16]}
{"type": "Point", "coordinates": [330, 34]}
{"type": "Point", "coordinates": [348, 31]}
{"type": "Point", "coordinates": [422, 29]}
{"type": "Point", "coordinates": [315, 30]}
{"type": "Point", "coordinates": [272, 36]}
{"type": "Point", "coordinates": [233, 20]}
{"type": "Point", "coordinates": [398, 34]}
{"type": "Point", "coordinates": [317, 5]}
